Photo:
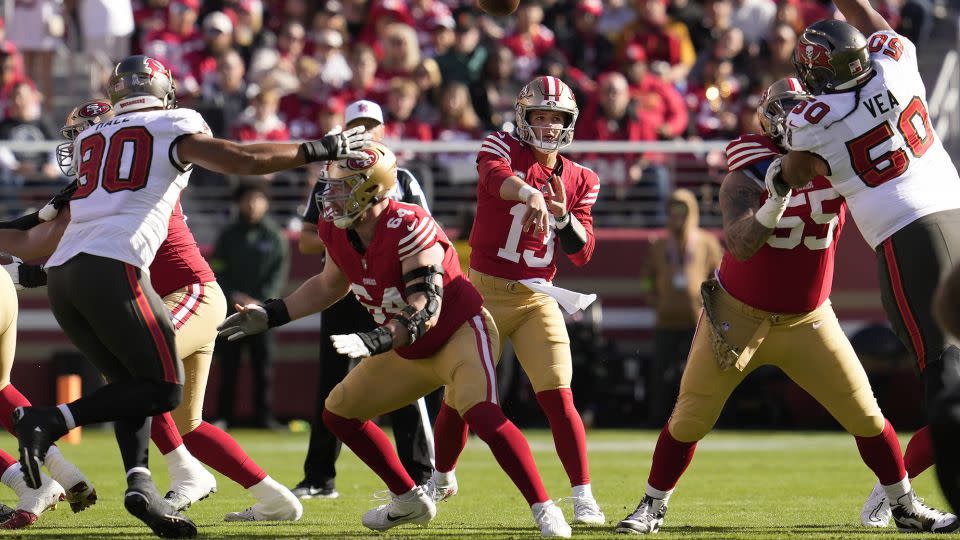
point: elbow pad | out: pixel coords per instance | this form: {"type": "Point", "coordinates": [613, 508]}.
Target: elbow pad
{"type": "Point", "coordinates": [572, 235]}
{"type": "Point", "coordinates": [415, 321]}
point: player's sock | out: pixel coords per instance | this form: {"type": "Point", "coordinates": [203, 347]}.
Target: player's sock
{"type": "Point", "coordinates": [214, 447]}
{"type": "Point", "coordinates": [133, 438]}
{"type": "Point", "coordinates": [670, 458]}
{"type": "Point", "coordinates": [6, 461]}
{"type": "Point", "coordinates": [10, 399]}
{"type": "Point", "coordinates": [509, 448]}
{"type": "Point", "coordinates": [919, 454]}
{"type": "Point", "coordinates": [450, 436]}
{"type": "Point", "coordinates": [133, 398]}
{"type": "Point", "coordinates": [373, 447]}
{"type": "Point", "coordinates": [882, 454]}
{"type": "Point", "coordinates": [897, 489]}
{"type": "Point", "coordinates": [163, 432]}
{"type": "Point", "coordinates": [568, 434]}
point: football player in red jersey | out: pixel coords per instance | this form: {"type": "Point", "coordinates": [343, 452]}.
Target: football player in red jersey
{"type": "Point", "coordinates": [433, 332]}
{"type": "Point", "coordinates": [750, 320]}
{"type": "Point", "coordinates": [532, 202]}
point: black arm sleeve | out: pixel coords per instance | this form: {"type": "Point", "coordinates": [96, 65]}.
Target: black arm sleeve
{"type": "Point", "coordinates": [22, 223]}
{"type": "Point", "coordinates": [312, 213]}
{"type": "Point", "coordinates": [572, 237]}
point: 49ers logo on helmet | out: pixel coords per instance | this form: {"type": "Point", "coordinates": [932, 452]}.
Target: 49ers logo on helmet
{"type": "Point", "coordinates": [360, 164]}
{"type": "Point", "coordinates": [813, 54]}
{"type": "Point", "coordinates": [93, 109]}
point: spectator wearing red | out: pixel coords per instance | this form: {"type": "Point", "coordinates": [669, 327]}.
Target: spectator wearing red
{"type": "Point", "coordinates": [659, 106]}
{"type": "Point", "coordinates": [38, 28]}
{"type": "Point", "coordinates": [364, 84]}
{"type": "Point", "coordinates": [148, 16]}
{"type": "Point", "coordinates": [664, 39]}
{"type": "Point", "coordinates": [401, 54]}
{"type": "Point", "coordinates": [276, 66]}
{"type": "Point", "coordinates": [442, 37]}
{"type": "Point", "coordinates": [714, 99]}
{"type": "Point", "coordinates": [425, 13]}
{"type": "Point", "coordinates": [330, 115]}
{"type": "Point", "coordinates": [588, 50]}
{"type": "Point", "coordinates": [777, 57]}
{"type": "Point", "coordinates": [400, 123]}
{"type": "Point", "coordinates": [299, 109]}
{"type": "Point", "coordinates": [260, 121]}
{"type": "Point", "coordinates": [248, 32]}
{"type": "Point", "coordinates": [202, 63]}
{"type": "Point", "coordinates": [458, 122]}
{"type": "Point", "coordinates": [179, 37]}
{"type": "Point", "coordinates": [529, 41]}
{"type": "Point", "coordinates": [382, 14]}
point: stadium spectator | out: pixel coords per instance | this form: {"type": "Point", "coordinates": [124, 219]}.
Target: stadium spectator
{"type": "Point", "coordinates": [329, 115]}
{"type": "Point", "coordinates": [177, 38]}
{"type": "Point", "coordinates": [789, 13]}
{"type": "Point", "coordinates": [334, 71]}
{"type": "Point", "coordinates": [380, 15]}
{"type": "Point", "coordinates": [428, 79]}
{"type": "Point", "coordinates": [693, 15]}
{"type": "Point", "coordinates": [716, 19]}
{"type": "Point", "coordinates": [226, 95]}
{"type": "Point", "coordinates": [251, 260]}
{"type": "Point", "coordinates": [776, 62]}
{"type": "Point", "coordinates": [276, 66]}
{"type": "Point", "coordinates": [729, 47]}
{"type": "Point", "coordinates": [401, 53]}
{"type": "Point", "coordinates": [663, 39]}
{"type": "Point", "coordinates": [442, 37]}
{"type": "Point", "coordinates": [555, 64]}
{"type": "Point", "coordinates": [298, 110]}
{"type": "Point", "coordinates": [11, 72]}
{"type": "Point", "coordinates": [588, 50]}
{"type": "Point", "coordinates": [37, 27]}
{"type": "Point", "coordinates": [400, 123]}
{"type": "Point", "coordinates": [615, 17]}
{"type": "Point", "coordinates": [23, 123]}
{"type": "Point", "coordinates": [106, 26]}
{"type": "Point", "coordinates": [248, 31]}
{"type": "Point", "coordinates": [496, 94]}
{"type": "Point", "coordinates": [458, 122]}
{"type": "Point", "coordinates": [754, 18]}
{"type": "Point", "coordinates": [426, 14]}
{"type": "Point", "coordinates": [529, 41]}
{"type": "Point", "coordinates": [364, 84]}
{"type": "Point", "coordinates": [260, 121]}
{"type": "Point", "coordinates": [659, 106]}
{"type": "Point", "coordinates": [464, 61]}
{"type": "Point", "coordinates": [201, 62]}
{"type": "Point", "coordinates": [148, 16]}
{"type": "Point", "coordinates": [675, 266]}
{"type": "Point", "coordinates": [713, 100]}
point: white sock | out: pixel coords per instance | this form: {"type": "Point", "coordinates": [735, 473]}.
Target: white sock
{"type": "Point", "coordinates": [142, 470]}
{"type": "Point", "coordinates": [658, 494]}
{"type": "Point", "coordinates": [444, 478]}
{"type": "Point", "coordinates": [582, 491]}
{"type": "Point", "coordinates": [12, 476]}
{"type": "Point", "coordinates": [178, 457]}
{"type": "Point", "coordinates": [895, 491]}
{"type": "Point", "coordinates": [265, 489]}
{"type": "Point", "coordinates": [67, 415]}
{"type": "Point", "coordinates": [60, 469]}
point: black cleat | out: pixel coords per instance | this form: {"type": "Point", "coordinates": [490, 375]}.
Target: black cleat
{"type": "Point", "coordinates": [143, 501]}
{"type": "Point", "coordinates": [36, 428]}
{"type": "Point", "coordinates": [5, 513]}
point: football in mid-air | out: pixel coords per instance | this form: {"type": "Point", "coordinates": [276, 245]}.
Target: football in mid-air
{"type": "Point", "coordinates": [498, 7]}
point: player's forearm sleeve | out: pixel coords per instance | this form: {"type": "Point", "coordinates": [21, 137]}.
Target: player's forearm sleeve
{"type": "Point", "coordinates": [22, 223]}
{"type": "Point", "coordinates": [573, 237]}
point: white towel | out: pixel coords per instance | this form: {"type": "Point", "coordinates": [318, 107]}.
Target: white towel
{"type": "Point", "coordinates": [571, 301]}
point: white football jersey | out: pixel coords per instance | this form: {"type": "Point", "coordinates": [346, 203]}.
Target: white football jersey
{"type": "Point", "coordinates": [130, 179]}
{"type": "Point", "coordinates": [884, 156]}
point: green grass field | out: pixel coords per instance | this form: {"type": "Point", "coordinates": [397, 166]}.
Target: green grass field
{"type": "Point", "coordinates": [740, 485]}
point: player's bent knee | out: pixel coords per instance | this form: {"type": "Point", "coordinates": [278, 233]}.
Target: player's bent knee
{"type": "Point", "coordinates": [337, 402]}
{"type": "Point", "coordinates": [688, 428]}
{"type": "Point", "coordinates": [166, 396]}
{"type": "Point", "coordinates": [485, 419]}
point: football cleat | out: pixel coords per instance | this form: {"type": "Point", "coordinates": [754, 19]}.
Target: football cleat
{"type": "Point", "coordinates": [33, 502]}
{"type": "Point", "coordinates": [548, 516]}
{"type": "Point", "coordinates": [284, 506]}
{"type": "Point", "coordinates": [646, 519]}
{"type": "Point", "coordinates": [36, 430]}
{"type": "Point", "coordinates": [439, 492]}
{"type": "Point", "coordinates": [876, 511]}
{"type": "Point", "coordinates": [306, 490]}
{"type": "Point", "coordinates": [414, 507]}
{"type": "Point", "coordinates": [143, 501]}
{"type": "Point", "coordinates": [911, 515]}
{"type": "Point", "coordinates": [587, 511]}
{"type": "Point", "coordinates": [5, 512]}
{"type": "Point", "coordinates": [80, 494]}
{"type": "Point", "coordinates": [190, 483]}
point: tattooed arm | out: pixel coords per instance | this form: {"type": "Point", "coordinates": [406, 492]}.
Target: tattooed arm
{"type": "Point", "coordinates": [739, 202]}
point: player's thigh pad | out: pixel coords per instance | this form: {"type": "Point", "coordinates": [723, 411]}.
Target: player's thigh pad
{"type": "Point", "coordinates": [196, 311]}
{"type": "Point", "coordinates": [507, 301]}
{"type": "Point", "coordinates": [381, 384]}
{"type": "Point", "coordinates": [467, 366]}
{"type": "Point", "coordinates": [704, 387]}
{"type": "Point", "coordinates": [9, 309]}
{"type": "Point", "coordinates": [816, 354]}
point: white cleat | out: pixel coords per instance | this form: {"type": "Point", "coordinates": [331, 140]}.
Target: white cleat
{"type": "Point", "coordinates": [911, 515]}
{"type": "Point", "coordinates": [189, 483]}
{"type": "Point", "coordinates": [549, 518]}
{"type": "Point", "coordinates": [32, 502]}
{"type": "Point", "coordinates": [587, 511]}
{"type": "Point", "coordinates": [646, 519]}
{"type": "Point", "coordinates": [876, 511]}
{"type": "Point", "coordinates": [285, 506]}
{"type": "Point", "coordinates": [438, 491]}
{"type": "Point", "coordinates": [414, 507]}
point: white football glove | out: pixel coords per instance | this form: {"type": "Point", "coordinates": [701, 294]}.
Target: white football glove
{"type": "Point", "coordinates": [350, 345]}
{"type": "Point", "coordinates": [14, 270]}
{"type": "Point", "coordinates": [252, 319]}
{"type": "Point", "coordinates": [776, 187]}
{"type": "Point", "coordinates": [337, 129]}
{"type": "Point", "coordinates": [350, 143]}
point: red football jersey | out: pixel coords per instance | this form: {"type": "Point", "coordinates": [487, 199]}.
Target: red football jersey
{"type": "Point", "coordinates": [178, 262]}
{"type": "Point", "coordinates": [793, 271]}
{"type": "Point", "coordinates": [376, 276]}
{"type": "Point", "coordinates": [499, 245]}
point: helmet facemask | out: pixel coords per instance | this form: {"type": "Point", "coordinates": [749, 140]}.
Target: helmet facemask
{"type": "Point", "coordinates": [776, 103]}
{"type": "Point", "coordinates": [546, 94]}
{"type": "Point", "coordinates": [80, 118]}
{"type": "Point", "coordinates": [352, 186]}
{"type": "Point", "coordinates": [536, 134]}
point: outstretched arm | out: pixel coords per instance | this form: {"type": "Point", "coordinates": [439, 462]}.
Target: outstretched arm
{"type": "Point", "coordinates": [862, 16]}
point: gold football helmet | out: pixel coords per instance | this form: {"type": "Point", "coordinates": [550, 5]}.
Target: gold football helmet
{"type": "Point", "coordinates": [80, 118]}
{"type": "Point", "coordinates": [351, 186]}
{"type": "Point", "coordinates": [776, 103]}
{"type": "Point", "coordinates": [551, 94]}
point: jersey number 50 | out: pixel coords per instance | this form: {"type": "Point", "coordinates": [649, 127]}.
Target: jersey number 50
{"type": "Point", "coordinates": [134, 143]}
{"type": "Point", "coordinates": [874, 171]}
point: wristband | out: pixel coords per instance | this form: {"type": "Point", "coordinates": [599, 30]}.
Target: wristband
{"type": "Point", "coordinates": [277, 314]}
{"type": "Point", "coordinates": [772, 210]}
{"type": "Point", "coordinates": [563, 221]}
{"type": "Point", "coordinates": [526, 192]}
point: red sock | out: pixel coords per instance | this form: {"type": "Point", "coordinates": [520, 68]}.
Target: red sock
{"type": "Point", "coordinates": [919, 454]}
{"type": "Point", "coordinates": [882, 454]}
{"type": "Point", "coordinates": [214, 447]}
{"type": "Point", "coordinates": [164, 433]}
{"type": "Point", "coordinates": [373, 447]}
{"type": "Point", "coordinates": [670, 458]}
{"type": "Point", "coordinates": [10, 399]}
{"type": "Point", "coordinates": [509, 448]}
{"type": "Point", "coordinates": [6, 461]}
{"type": "Point", "coordinates": [449, 436]}
{"type": "Point", "coordinates": [568, 434]}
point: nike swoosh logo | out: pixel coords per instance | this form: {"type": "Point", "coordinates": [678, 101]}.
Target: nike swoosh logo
{"type": "Point", "coordinates": [397, 518]}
